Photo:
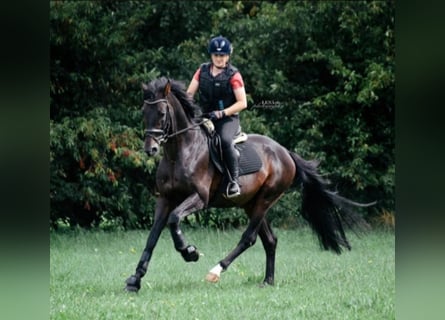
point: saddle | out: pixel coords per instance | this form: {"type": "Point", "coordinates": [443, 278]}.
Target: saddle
{"type": "Point", "coordinates": [249, 160]}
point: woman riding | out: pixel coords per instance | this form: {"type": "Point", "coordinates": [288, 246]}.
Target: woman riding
{"type": "Point", "coordinates": [222, 96]}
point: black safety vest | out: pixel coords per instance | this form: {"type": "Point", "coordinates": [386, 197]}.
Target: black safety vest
{"type": "Point", "coordinates": [215, 93]}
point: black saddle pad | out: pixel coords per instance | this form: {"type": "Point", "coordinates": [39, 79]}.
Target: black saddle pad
{"type": "Point", "coordinates": [249, 161]}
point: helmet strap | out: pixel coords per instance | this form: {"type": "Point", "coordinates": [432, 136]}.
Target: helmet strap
{"type": "Point", "coordinates": [220, 68]}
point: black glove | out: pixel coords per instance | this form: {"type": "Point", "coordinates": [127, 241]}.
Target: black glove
{"type": "Point", "coordinates": [216, 115]}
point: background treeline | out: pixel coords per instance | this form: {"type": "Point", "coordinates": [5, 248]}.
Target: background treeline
{"type": "Point", "coordinates": [319, 77]}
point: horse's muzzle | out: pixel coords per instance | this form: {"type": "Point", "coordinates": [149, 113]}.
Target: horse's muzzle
{"type": "Point", "coordinates": [151, 147]}
{"type": "Point", "coordinates": [152, 151]}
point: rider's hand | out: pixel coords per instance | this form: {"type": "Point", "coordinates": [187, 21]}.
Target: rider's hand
{"type": "Point", "coordinates": [216, 115]}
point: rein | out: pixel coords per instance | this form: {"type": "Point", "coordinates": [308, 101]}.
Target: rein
{"type": "Point", "coordinates": [161, 135]}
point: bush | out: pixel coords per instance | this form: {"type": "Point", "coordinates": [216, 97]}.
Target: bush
{"type": "Point", "coordinates": [98, 172]}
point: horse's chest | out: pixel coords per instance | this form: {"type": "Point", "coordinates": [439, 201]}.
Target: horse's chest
{"type": "Point", "coordinates": [172, 177]}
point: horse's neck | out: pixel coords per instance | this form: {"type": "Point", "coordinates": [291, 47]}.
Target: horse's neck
{"type": "Point", "coordinates": [182, 146]}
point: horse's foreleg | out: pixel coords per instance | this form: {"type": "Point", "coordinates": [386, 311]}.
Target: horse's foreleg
{"type": "Point", "coordinates": [248, 239]}
{"type": "Point", "coordinates": [160, 219]}
{"type": "Point", "coordinates": [188, 206]}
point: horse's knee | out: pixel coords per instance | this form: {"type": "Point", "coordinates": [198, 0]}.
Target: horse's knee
{"type": "Point", "coordinates": [173, 219]}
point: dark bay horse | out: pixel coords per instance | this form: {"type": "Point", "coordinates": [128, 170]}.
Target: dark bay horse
{"type": "Point", "coordinates": [188, 181]}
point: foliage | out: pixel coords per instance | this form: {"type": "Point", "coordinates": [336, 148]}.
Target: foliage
{"type": "Point", "coordinates": [98, 172]}
{"type": "Point", "coordinates": [319, 77]}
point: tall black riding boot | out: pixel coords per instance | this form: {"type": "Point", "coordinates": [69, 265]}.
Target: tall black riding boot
{"type": "Point", "coordinates": [231, 159]}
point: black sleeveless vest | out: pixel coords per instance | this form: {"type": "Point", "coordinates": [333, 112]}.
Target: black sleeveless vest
{"type": "Point", "coordinates": [215, 93]}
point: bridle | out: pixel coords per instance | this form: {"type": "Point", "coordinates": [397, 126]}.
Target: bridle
{"type": "Point", "coordinates": [161, 135]}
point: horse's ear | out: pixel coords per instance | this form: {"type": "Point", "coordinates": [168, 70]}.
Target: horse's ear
{"type": "Point", "coordinates": [144, 87]}
{"type": "Point", "coordinates": [168, 88]}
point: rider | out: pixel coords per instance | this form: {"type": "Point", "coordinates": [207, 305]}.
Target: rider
{"type": "Point", "coordinates": [222, 96]}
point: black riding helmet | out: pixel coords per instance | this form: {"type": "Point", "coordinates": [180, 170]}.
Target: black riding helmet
{"type": "Point", "coordinates": [220, 45]}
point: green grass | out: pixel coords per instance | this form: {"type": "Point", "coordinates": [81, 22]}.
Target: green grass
{"type": "Point", "coordinates": [88, 270]}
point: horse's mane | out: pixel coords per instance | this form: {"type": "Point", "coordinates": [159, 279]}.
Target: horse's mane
{"type": "Point", "coordinates": [178, 89]}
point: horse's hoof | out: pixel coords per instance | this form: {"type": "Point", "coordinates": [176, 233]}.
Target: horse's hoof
{"type": "Point", "coordinates": [266, 283]}
{"type": "Point", "coordinates": [211, 277]}
{"type": "Point", "coordinates": [131, 288]}
{"type": "Point", "coordinates": [190, 254]}
{"type": "Point", "coordinates": [133, 284]}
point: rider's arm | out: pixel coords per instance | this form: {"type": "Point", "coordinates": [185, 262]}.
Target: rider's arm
{"type": "Point", "coordinates": [194, 84]}
{"type": "Point", "coordinates": [237, 84]}
{"type": "Point", "coordinates": [240, 104]}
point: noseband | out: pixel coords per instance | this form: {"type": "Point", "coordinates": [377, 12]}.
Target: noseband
{"type": "Point", "coordinates": [161, 135]}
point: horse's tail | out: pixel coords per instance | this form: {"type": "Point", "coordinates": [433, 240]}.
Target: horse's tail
{"type": "Point", "coordinates": [326, 211]}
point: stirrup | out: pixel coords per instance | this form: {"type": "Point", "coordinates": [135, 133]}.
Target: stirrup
{"type": "Point", "coordinates": [235, 194]}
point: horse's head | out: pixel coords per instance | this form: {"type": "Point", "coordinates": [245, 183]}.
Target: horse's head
{"type": "Point", "coordinates": [168, 112]}
{"type": "Point", "coordinates": [156, 116]}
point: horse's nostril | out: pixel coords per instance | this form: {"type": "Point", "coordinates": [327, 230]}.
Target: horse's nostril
{"type": "Point", "coordinates": [152, 151]}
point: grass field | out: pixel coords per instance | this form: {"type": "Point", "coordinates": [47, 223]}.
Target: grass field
{"type": "Point", "coordinates": [88, 270]}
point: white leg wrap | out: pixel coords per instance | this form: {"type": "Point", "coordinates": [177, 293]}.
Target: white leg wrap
{"type": "Point", "coordinates": [217, 270]}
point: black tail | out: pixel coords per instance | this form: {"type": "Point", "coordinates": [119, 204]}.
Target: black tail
{"type": "Point", "coordinates": [326, 211]}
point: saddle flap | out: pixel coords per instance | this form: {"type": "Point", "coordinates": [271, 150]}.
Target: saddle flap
{"type": "Point", "coordinates": [249, 160]}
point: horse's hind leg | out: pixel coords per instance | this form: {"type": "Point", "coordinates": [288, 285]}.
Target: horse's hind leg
{"type": "Point", "coordinates": [256, 212]}
{"type": "Point", "coordinates": [269, 241]}
{"type": "Point", "coordinates": [248, 239]}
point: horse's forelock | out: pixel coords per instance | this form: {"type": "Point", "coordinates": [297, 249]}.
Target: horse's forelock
{"type": "Point", "coordinates": [154, 86]}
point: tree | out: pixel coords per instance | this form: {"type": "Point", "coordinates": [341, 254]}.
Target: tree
{"type": "Point", "coordinates": [319, 77]}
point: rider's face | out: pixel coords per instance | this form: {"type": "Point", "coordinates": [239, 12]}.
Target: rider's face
{"type": "Point", "coordinates": [220, 60]}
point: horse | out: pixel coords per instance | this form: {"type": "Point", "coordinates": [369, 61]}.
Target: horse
{"type": "Point", "coordinates": [187, 181]}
